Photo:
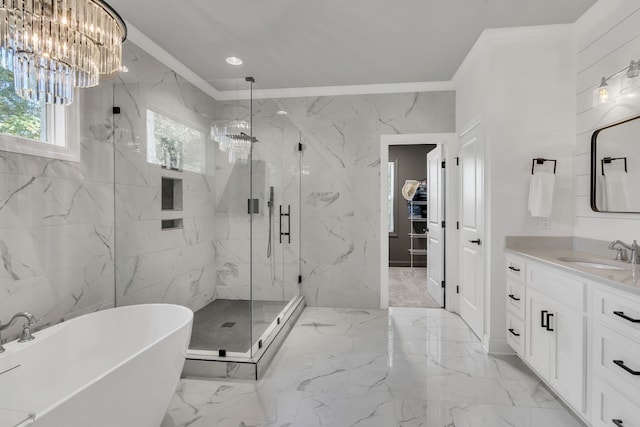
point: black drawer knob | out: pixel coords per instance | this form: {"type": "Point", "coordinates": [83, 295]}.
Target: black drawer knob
{"type": "Point", "coordinates": [619, 423]}
{"type": "Point", "coordinates": [513, 297]}
{"type": "Point", "coordinates": [514, 333]}
{"type": "Point", "coordinates": [512, 268]}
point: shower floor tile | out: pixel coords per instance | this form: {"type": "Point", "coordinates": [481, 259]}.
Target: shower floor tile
{"type": "Point", "coordinates": [226, 324]}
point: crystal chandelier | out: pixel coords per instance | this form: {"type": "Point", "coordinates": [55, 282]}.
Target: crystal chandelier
{"type": "Point", "coordinates": [233, 137]}
{"type": "Point", "coordinates": [52, 46]}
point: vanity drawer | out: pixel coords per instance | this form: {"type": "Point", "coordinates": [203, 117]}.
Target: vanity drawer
{"type": "Point", "coordinates": [618, 311]}
{"type": "Point", "coordinates": [515, 298]}
{"type": "Point", "coordinates": [566, 290]}
{"type": "Point", "coordinates": [515, 268]}
{"type": "Point", "coordinates": [515, 333]}
{"type": "Point", "coordinates": [610, 405]}
{"type": "Point", "coordinates": [617, 358]}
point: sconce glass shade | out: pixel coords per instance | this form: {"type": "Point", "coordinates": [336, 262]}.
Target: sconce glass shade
{"type": "Point", "coordinates": [631, 78]}
{"type": "Point", "coordinates": [234, 138]}
{"type": "Point", "coordinates": [602, 94]}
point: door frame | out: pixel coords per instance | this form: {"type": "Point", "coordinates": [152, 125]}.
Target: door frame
{"type": "Point", "coordinates": [449, 143]}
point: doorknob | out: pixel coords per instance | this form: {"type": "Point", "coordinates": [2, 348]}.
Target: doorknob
{"type": "Point", "coordinates": [477, 242]}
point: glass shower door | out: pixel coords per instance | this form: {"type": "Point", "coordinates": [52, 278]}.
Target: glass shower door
{"type": "Point", "coordinates": [269, 221]}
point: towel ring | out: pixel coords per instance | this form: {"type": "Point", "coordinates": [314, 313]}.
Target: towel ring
{"type": "Point", "coordinates": [608, 160]}
{"type": "Point", "coordinates": [541, 161]}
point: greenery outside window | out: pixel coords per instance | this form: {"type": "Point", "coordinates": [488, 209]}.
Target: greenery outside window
{"type": "Point", "coordinates": [33, 128]}
{"type": "Point", "coordinates": [175, 145]}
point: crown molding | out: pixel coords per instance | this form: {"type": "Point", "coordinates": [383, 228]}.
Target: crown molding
{"type": "Point", "coordinates": [303, 92]}
{"type": "Point", "coordinates": [158, 52]}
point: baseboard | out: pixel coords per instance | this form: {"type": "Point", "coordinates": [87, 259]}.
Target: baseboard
{"type": "Point", "coordinates": [406, 264]}
{"type": "Point", "coordinates": [497, 346]}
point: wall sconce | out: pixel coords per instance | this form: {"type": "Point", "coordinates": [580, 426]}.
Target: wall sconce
{"type": "Point", "coordinates": [629, 84]}
{"type": "Point", "coordinates": [602, 93]}
{"type": "Point", "coordinates": [631, 78]}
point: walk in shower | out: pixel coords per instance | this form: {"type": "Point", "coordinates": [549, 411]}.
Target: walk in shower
{"type": "Point", "coordinates": [207, 205]}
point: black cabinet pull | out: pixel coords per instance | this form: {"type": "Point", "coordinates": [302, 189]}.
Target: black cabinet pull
{"type": "Point", "coordinates": [625, 367]}
{"type": "Point", "coordinates": [619, 423]}
{"type": "Point", "coordinates": [512, 268]}
{"type": "Point", "coordinates": [625, 317]}
{"type": "Point", "coordinates": [513, 297]}
{"type": "Point", "coordinates": [543, 315]}
{"type": "Point", "coordinates": [513, 332]}
{"type": "Point", "coordinates": [549, 322]}
{"type": "Point", "coordinates": [476, 242]}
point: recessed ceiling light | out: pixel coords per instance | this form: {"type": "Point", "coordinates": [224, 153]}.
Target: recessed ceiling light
{"type": "Point", "coordinates": [282, 113]}
{"type": "Point", "coordinates": [233, 60]}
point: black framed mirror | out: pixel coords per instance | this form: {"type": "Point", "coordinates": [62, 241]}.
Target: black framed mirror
{"type": "Point", "coordinates": [615, 167]}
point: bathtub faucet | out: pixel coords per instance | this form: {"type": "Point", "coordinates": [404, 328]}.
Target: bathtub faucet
{"type": "Point", "coordinates": [26, 332]}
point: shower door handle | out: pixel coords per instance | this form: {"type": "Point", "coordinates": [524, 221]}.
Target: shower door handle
{"type": "Point", "coordinates": [280, 222]}
{"type": "Point", "coordinates": [288, 215]}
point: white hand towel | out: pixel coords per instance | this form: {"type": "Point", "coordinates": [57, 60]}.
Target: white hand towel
{"type": "Point", "coordinates": [541, 194]}
{"type": "Point", "coordinates": [616, 184]}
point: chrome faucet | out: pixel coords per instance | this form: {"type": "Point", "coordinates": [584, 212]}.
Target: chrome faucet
{"type": "Point", "coordinates": [621, 255]}
{"type": "Point", "coordinates": [26, 332]}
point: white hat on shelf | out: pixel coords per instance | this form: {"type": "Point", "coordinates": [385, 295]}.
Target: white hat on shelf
{"type": "Point", "coordinates": [409, 188]}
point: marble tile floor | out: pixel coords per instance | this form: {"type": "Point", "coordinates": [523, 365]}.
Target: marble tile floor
{"type": "Point", "coordinates": [230, 324]}
{"type": "Point", "coordinates": [408, 288]}
{"type": "Point", "coordinates": [404, 367]}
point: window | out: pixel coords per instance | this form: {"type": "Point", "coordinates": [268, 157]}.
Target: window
{"type": "Point", "coordinates": [32, 128]}
{"type": "Point", "coordinates": [391, 184]}
{"type": "Point", "coordinates": [175, 145]}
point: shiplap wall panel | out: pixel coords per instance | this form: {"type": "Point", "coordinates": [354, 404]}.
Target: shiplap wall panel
{"type": "Point", "coordinates": [608, 38]}
{"type": "Point", "coordinates": [601, 18]}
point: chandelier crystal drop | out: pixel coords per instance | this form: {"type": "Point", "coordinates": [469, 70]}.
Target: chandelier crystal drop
{"type": "Point", "coordinates": [52, 46]}
{"type": "Point", "coordinates": [234, 138]}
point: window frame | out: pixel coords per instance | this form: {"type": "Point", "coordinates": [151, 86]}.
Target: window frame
{"type": "Point", "coordinates": [57, 145]}
{"type": "Point", "coordinates": [393, 215]}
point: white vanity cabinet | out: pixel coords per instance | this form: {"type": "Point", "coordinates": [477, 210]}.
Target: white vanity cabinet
{"type": "Point", "coordinates": [616, 358]}
{"type": "Point", "coordinates": [554, 328]}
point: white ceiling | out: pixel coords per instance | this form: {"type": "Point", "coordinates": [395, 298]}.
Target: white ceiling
{"type": "Point", "coordinates": [312, 43]}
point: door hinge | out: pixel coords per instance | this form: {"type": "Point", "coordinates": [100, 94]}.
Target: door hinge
{"type": "Point", "coordinates": [443, 284]}
{"type": "Point", "coordinates": [299, 146]}
{"type": "Point", "coordinates": [299, 279]}
{"type": "Point", "coordinates": [116, 110]}
{"type": "Point", "coordinates": [457, 289]}
{"type": "Point", "coordinates": [457, 225]}
{"type": "Point", "coordinates": [444, 164]}
{"type": "Point", "coordinates": [457, 161]}
{"type": "Point", "coordinates": [444, 224]}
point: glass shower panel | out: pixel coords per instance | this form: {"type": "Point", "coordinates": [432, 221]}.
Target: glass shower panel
{"type": "Point", "coordinates": [269, 220]}
{"type": "Point", "coordinates": [165, 199]}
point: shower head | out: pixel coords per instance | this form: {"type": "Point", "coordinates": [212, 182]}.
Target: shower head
{"type": "Point", "coordinates": [246, 137]}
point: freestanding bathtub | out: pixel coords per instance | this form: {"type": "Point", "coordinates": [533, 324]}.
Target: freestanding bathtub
{"type": "Point", "coordinates": [113, 368]}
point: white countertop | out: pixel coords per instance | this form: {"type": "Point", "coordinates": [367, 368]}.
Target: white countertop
{"type": "Point", "coordinates": [624, 280]}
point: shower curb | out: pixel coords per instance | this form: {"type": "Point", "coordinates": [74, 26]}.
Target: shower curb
{"type": "Point", "coordinates": [243, 369]}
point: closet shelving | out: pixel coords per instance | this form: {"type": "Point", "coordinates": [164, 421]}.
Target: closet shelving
{"type": "Point", "coordinates": [417, 222]}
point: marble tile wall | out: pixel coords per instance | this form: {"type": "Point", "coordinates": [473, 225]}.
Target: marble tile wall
{"type": "Point", "coordinates": [57, 236]}
{"type": "Point", "coordinates": [63, 246]}
{"type": "Point", "coordinates": [153, 265]}
{"type": "Point", "coordinates": [340, 186]}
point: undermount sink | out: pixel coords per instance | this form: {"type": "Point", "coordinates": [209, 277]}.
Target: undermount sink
{"type": "Point", "coordinates": [594, 263]}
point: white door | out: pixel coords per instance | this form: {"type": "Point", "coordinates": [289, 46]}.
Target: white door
{"type": "Point", "coordinates": [472, 229]}
{"type": "Point", "coordinates": [435, 233]}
